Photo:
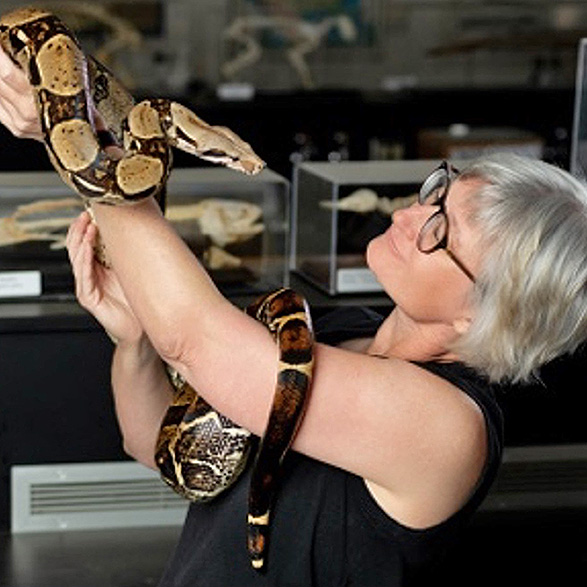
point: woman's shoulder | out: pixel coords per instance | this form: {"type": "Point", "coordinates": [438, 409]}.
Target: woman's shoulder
{"type": "Point", "coordinates": [473, 445]}
{"type": "Point", "coordinates": [474, 384]}
{"type": "Point", "coordinates": [442, 466]}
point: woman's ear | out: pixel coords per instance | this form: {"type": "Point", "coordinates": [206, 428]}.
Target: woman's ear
{"type": "Point", "coordinates": [461, 325]}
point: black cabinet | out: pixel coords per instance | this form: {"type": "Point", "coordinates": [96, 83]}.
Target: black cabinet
{"type": "Point", "coordinates": [55, 396]}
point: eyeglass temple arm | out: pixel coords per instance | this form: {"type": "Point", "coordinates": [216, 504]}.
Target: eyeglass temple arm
{"type": "Point", "coordinates": [460, 264]}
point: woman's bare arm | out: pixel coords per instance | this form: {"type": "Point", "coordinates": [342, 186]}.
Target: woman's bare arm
{"type": "Point", "coordinates": [142, 395]}
{"type": "Point", "coordinates": [388, 421]}
{"type": "Point", "coordinates": [142, 392]}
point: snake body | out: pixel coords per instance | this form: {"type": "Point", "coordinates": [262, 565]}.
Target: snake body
{"type": "Point", "coordinates": [286, 315]}
{"type": "Point", "coordinates": [70, 88]}
{"type": "Point", "coordinates": [84, 110]}
{"type": "Point", "coordinates": [200, 452]}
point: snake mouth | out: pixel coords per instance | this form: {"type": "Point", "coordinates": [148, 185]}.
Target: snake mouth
{"type": "Point", "coordinates": [215, 154]}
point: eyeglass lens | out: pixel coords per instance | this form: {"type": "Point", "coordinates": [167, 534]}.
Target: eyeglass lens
{"type": "Point", "coordinates": [434, 187]}
{"type": "Point", "coordinates": [432, 233]}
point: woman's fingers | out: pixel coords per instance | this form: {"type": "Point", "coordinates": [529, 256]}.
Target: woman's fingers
{"type": "Point", "coordinates": [86, 278]}
{"type": "Point", "coordinates": [18, 113]}
{"type": "Point", "coordinates": [75, 234]}
{"type": "Point", "coordinates": [80, 247]}
{"type": "Point", "coordinates": [18, 110]}
{"type": "Point", "coordinates": [7, 69]}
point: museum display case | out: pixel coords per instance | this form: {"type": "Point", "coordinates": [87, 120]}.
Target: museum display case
{"type": "Point", "coordinates": [237, 225]}
{"type": "Point", "coordinates": [338, 208]}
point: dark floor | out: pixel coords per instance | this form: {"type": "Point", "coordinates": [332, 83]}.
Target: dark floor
{"type": "Point", "coordinates": [102, 558]}
{"type": "Point", "coordinates": [499, 550]}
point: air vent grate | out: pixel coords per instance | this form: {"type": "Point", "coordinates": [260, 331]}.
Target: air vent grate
{"type": "Point", "coordinates": [91, 496]}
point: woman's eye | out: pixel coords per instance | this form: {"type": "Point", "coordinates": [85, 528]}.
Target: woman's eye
{"type": "Point", "coordinates": [438, 231]}
{"type": "Point", "coordinates": [434, 196]}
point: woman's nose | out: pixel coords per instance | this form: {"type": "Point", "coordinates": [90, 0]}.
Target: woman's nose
{"type": "Point", "coordinates": [412, 218]}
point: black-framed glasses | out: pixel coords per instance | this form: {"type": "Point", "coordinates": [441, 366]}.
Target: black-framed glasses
{"type": "Point", "coordinates": [434, 234]}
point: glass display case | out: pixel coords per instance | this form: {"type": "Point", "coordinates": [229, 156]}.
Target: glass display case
{"type": "Point", "coordinates": [237, 225]}
{"type": "Point", "coordinates": [338, 208]}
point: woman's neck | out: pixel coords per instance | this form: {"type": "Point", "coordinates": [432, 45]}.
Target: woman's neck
{"type": "Point", "coordinates": [402, 337]}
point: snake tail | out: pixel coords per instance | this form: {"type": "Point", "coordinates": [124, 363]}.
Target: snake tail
{"type": "Point", "coordinates": [287, 316]}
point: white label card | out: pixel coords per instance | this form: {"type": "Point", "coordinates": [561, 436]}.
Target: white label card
{"type": "Point", "coordinates": [16, 284]}
{"type": "Point", "coordinates": [356, 280]}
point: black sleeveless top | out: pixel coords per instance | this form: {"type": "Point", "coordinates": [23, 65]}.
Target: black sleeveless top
{"type": "Point", "coordinates": [326, 529]}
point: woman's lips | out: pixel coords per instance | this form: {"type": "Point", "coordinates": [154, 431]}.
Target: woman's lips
{"type": "Point", "coordinates": [391, 239]}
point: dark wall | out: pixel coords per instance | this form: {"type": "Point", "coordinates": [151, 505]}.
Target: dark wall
{"type": "Point", "coordinates": [314, 124]}
{"type": "Point", "coordinates": [550, 410]}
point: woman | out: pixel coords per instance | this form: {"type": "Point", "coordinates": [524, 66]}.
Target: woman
{"type": "Point", "coordinates": [402, 436]}
{"type": "Point", "coordinates": [396, 454]}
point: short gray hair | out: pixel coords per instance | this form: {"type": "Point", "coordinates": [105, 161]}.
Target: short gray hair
{"type": "Point", "coordinates": [531, 293]}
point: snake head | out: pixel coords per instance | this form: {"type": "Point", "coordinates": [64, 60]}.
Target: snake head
{"type": "Point", "coordinates": [249, 165]}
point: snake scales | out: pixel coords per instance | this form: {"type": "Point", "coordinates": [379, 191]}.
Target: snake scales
{"type": "Point", "coordinates": [200, 452]}
{"type": "Point", "coordinates": [84, 110]}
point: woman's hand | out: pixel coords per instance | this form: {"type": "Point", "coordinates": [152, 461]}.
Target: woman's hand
{"type": "Point", "coordinates": [97, 288]}
{"type": "Point", "coordinates": [18, 111]}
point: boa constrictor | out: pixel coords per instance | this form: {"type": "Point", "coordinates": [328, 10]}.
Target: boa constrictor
{"type": "Point", "coordinates": [83, 110]}
{"type": "Point", "coordinates": [200, 452]}
{"type": "Point", "coordinates": [70, 89]}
